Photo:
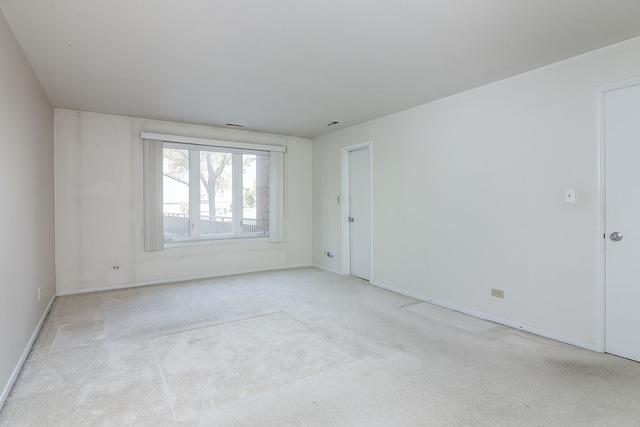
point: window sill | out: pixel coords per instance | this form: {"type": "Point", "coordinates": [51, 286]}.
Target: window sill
{"type": "Point", "coordinates": [187, 243]}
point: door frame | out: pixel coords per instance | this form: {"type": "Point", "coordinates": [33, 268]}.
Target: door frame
{"type": "Point", "coordinates": [600, 301]}
{"type": "Point", "coordinates": [346, 204]}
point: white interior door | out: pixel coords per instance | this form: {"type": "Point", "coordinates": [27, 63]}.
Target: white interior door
{"type": "Point", "coordinates": [622, 215]}
{"type": "Point", "coordinates": [360, 212]}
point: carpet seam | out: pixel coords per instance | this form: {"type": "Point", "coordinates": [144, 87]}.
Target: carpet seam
{"type": "Point", "coordinates": [165, 386]}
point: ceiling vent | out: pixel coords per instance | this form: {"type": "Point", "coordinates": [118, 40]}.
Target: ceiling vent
{"type": "Point", "coordinates": [332, 123]}
{"type": "Point", "coordinates": [235, 125]}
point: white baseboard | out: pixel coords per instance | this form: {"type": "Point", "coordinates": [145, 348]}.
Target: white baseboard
{"type": "Point", "coordinates": [325, 268]}
{"type": "Point", "coordinates": [173, 280]}
{"type": "Point", "coordinates": [25, 354]}
{"type": "Point", "coordinates": [491, 318]}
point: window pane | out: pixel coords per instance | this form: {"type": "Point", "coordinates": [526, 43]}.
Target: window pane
{"type": "Point", "coordinates": [175, 193]}
{"type": "Point", "coordinates": [255, 183]}
{"type": "Point", "coordinates": [215, 193]}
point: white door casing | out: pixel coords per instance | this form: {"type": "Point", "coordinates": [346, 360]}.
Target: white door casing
{"type": "Point", "coordinates": [356, 196]}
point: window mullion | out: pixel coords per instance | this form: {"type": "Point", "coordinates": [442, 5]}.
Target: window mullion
{"type": "Point", "coordinates": [194, 192]}
{"type": "Point", "coordinates": [237, 193]}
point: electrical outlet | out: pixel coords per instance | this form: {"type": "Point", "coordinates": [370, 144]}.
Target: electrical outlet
{"type": "Point", "coordinates": [39, 293]}
{"type": "Point", "coordinates": [115, 267]}
{"type": "Point", "coordinates": [498, 293]}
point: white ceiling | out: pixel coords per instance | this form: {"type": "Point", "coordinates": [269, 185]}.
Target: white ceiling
{"type": "Point", "coordinates": [292, 66]}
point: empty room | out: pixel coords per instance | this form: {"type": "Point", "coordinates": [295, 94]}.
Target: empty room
{"type": "Point", "coordinates": [286, 213]}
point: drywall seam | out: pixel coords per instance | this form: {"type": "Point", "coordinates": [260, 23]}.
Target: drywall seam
{"type": "Point", "coordinates": [182, 279]}
{"type": "Point", "coordinates": [25, 354]}
{"type": "Point", "coordinates": [491, 318]}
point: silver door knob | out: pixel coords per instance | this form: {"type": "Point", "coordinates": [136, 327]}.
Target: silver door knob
{"type": "Point", "coordinates": [351, 219]}
{"type": "Point", "coordinates": [616, 236]}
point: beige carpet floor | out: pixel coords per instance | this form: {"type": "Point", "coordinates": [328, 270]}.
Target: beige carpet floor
{"type": "Point", "coordinates": [303, 348]}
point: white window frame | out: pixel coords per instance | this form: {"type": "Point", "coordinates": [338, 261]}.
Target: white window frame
{"type": "Point", "coordinates": [154, 144]}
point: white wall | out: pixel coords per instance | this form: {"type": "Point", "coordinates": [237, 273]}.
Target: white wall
{"type": "Point", "coordinates": [99, 207]}
{"type": "Point", "coordinates": [26, 197]}
{"type": "Point", "coordinates": [468, 195]}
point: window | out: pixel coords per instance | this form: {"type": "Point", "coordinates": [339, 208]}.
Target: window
{"type": "Point", "coordinates": [212, 192]}
{"type": "Point", "coordinates": [203, 190]}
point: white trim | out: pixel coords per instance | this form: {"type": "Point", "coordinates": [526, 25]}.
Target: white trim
{"type": "Point", "coordinates": [599, 290]}
{"type": "Point", "coordinates": [276, 197]}
{"type": "Point", "coordinates": [214, 241]}
{"type": "Point", "coordinates": [25, 354]}
{"type": "Point", "coordinates": [600, 303]}
{"type": "Point", "coordinates": [344, 196]}
{"type": "Point", "coordinates": [344, 214]}
{"type": "Point", "coordinates": [325, 268]}
{"type": "Point", "coordinates": [371, 244]}
{"type": "Point", "coordinates": [175, 280]}
{"type": "Point", "coordinates": [211, 142]}
{"type": "Point", "coordinates": [491, 318]}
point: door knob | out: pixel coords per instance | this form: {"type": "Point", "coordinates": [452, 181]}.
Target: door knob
{"type": "Point", "coordinates": [616, 236]}
{"type": "Point", "coordinates": [351, 219]}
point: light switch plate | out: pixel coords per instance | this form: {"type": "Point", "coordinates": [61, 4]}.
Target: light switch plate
{"type": "Point", "coordinates": [569, 195]}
